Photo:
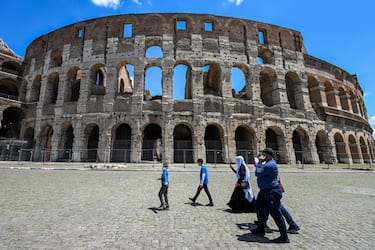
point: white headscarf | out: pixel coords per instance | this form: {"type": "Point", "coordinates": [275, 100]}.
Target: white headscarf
{"type": "Point", "coordinates": [248, 192]}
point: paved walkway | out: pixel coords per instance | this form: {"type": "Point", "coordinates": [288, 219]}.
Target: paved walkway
{"type": "Point", "coordinates": [93, 209]}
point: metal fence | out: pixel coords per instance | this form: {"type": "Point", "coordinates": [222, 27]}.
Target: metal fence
{"type": "Point", "coordinates": [301, 158]}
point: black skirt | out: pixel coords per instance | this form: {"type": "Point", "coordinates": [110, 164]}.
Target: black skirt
{"type": "Point", "coordinates": [239, 203]}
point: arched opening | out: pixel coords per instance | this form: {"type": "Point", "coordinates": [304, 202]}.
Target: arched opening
{"type": "Point", "coordinates": [341, 154]}
{"type": "Point", "coordinates": [92, 135]}
{"type": "Point", "coordinates": [354, 149]}
{"type": "Point", "coordinates": [212, 79]}
{"type": "Point", "coordinates": [266, 55]}
{"type": "Point", "coordinates": [268, 87]}
{"type": "Point", "coordinates": [73, 85]}
{"type": "Point", "coordinates": [297, 146]}
{"type": "Point", "coordinates": [154, 52]}
{"type": "Point", "coordinates": [98, 79]}
{"type": "Point", "coordinates": [182, 88]}
{"type": "Point", "coordinates": [212, 140]}
{"type": "Point", "coordinates": [245, 143]}
{"type": "Point", "coordinates": [238, 80]}
{"type": "Point", "coordinates": [35, 89]}
{"type": "Point", "coordinates": [330, 94]}
{"type": "Point", "coordinates": [122, 144]}
{"type": "Point", "coordinates": [153, 83]}
{"type": "Point", "coordinates": [293, 90]}
{"type": "Point", "coordinates": [46, 143]}
{"type": "Point", "coordinates": [8, 88]}
{"type": "Point", "coordinates": [183, 145]}
{"type": "Point", "coordinates": [314, 91]}
{"type": "Point", "coordinates": [364, 150]}
{"type": "Point", "coordinates": [56, 59]}
{"type": "Point", "coordinates": [126, 79]}
{"type": "Point", "coordinates": [12, 67]}
{"type": "Point", "coordinates": [354, 103]}
{"type": "Point", "coordinates": [275, 140]}
{"type": "Point", "coordinates": [26, 153]}
{"type": "Point", "coordinates": [152, 144]}
{"type": "Point", "coordinates": [11, 122]}
{"type": "Point", "coordinates": [323, 147]}
{"type": "Point", "coordinates": [66, 143]}
{"type": "Point", "coordinates": [52, 88]}
{"type": "Point", "coordinates": [343, 99]}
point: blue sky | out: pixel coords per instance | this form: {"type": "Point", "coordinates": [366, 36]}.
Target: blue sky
{"type": "Point", "coordinates": [341, 32]}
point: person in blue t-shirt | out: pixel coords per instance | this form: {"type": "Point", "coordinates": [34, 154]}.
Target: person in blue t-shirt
{"type": "Point", "coordinates": [203, 183]}
{"type": "Point", "coordinates": [163, 192]}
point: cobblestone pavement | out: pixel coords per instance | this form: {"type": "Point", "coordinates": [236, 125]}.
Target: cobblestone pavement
{"type": "Point", "coordinates": [91, 209]}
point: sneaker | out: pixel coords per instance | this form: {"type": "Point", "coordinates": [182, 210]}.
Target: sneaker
{"type": "Point", "coordinates": [257, 232]}
{"type": "Point", "coordinates": [293, 229]}
{"type": "Point", "coordinates": [210, 205]}
{"type": "Point", "coordinates": [161, 207]}
{"type": "Point", "coordinates": [281, 240]}
{"type": "Point", "coordinates": [166, 207]}
{"type": "Point", "coordinates": [192, 200]}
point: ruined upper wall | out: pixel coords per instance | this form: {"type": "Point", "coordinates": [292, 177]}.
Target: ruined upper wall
{"type": "Point", "coordinates": [100, 29]}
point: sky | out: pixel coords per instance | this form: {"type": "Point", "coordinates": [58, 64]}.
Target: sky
{"type": "Point", "coordinates": [341, 32]}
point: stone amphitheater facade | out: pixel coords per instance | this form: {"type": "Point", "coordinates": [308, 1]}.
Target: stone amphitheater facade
{"type": "Point", "coordinates": [85, 94]}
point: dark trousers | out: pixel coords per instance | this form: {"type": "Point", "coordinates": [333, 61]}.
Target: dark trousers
{"type": "Point", "coordinates": [206, 190]}
{"type": "Point", "coordinates": [163, 192]}
{"type": "Point", "coordinates": [270, 199]}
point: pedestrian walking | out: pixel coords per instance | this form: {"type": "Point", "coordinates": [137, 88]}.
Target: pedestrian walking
{"type": "Point", "coordinates": [203, 184]}
{"type": "Point", "coordinates": [163, 192]}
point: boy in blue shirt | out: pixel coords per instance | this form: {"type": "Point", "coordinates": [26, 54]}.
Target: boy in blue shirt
{"type": "Point", "coordinates": [203, 183]}
{"type": "Point", "coordinates": [163, 192]}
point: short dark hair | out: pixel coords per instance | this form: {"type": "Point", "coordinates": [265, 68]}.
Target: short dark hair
{"type": "Point", "coordinates": [200, 160]}
{"type": "Point", "coordinates": [268, 151]}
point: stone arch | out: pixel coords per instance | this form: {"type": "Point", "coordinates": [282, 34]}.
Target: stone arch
{"type": "Point", "coordinates": [125, 80]}
{"type": "Point", "coordinates": [212, 79]}
{"type": "Point", "coordinates": [364, 150]}
{"type": "Point", "coordinates": [153, 87]}
{"type": "Point", "coordinates": [213, 137]}
{"type": "Point", "coordinates": [56, 58]}
{"type": "Point", "coordinates": [314, 90]}
{"type": "Point", "coordinates": [65, 148]}
{"type": "Point", "coordinates": [353, 146]}
{"type": "Point", "coordinates": [240, 76]}
{"type": "Point", "coordinates": [92, 142]}
{"type": "Point", "coordinates": [354, 102]}
{"type": "Point", "coordinates": [275, 139]}
{"type": "Point", "coordinates": [8, 88]}
{"type": "Point", "coordinates": [73, 85]}
{"type": "Point", "coordinates": [11, 122]}
{"type": "Point", "coordinates": [343, 99]}
{"type": "Point", "coordinates": [35, 89]}
{"type": "Point", "coordinates": [183, 143]}
{"type": "Point", "coordinates": [98, 79]}
{"type": "Point", "coordinates": [152, 142]}
{"type": "Point", "coordinates": [330, 94]}
{"type": "Point", "coordinates": [46, 142]}
{"type": "Point", "coordinates": [267, 55]}
{"type": "Point", "coordinates": [121, 147]}
{"type": "Point", "coordinates": [294, 91]}
{"type": "Point", "coordinates": [11, 67]}
{"type": "Point", "coordinates": [268, 87]}
{"type": "Point", "coordinates": [52, 88]}
{"type": "Point", "coordinates": [341, 155]}
{"type": "Point", "coordinates": [26, 153]}
{"type": "Point", "coordinates": [245, 143]}
{"type": "Point", "coordinates": [154, 51]}
{"type": "Point", "coordinates": [236, 31]}
{"type": "Point", "coordinates": [182, 83]}
{"type": "Point", "coordinates": [323, 147]}
{"type": "Point", "coordinates": [302, 151]}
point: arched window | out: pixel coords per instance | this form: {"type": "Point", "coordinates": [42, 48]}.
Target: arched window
{"type": "Point", "coordinates": [154, 52]}
{"type": "Point", "coordinates": [238, 81]}
{"type": "Point", "coordinates": [182, 82]}
{"type": "Point", "coordinates": [153, 83]}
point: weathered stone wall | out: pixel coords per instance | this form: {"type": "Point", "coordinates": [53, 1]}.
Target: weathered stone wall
{"type": "Point", "coordinates": [301, 106]}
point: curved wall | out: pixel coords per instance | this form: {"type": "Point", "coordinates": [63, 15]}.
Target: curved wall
{"type": "Point", "coordinates": [90, 95]}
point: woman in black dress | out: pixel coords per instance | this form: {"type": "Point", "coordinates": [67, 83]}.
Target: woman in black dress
{"type": "Point", "coordinates": [242, 199]}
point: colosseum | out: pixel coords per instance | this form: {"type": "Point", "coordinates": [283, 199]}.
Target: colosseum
{"type": "Point", "coordinates": [146, 87]}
